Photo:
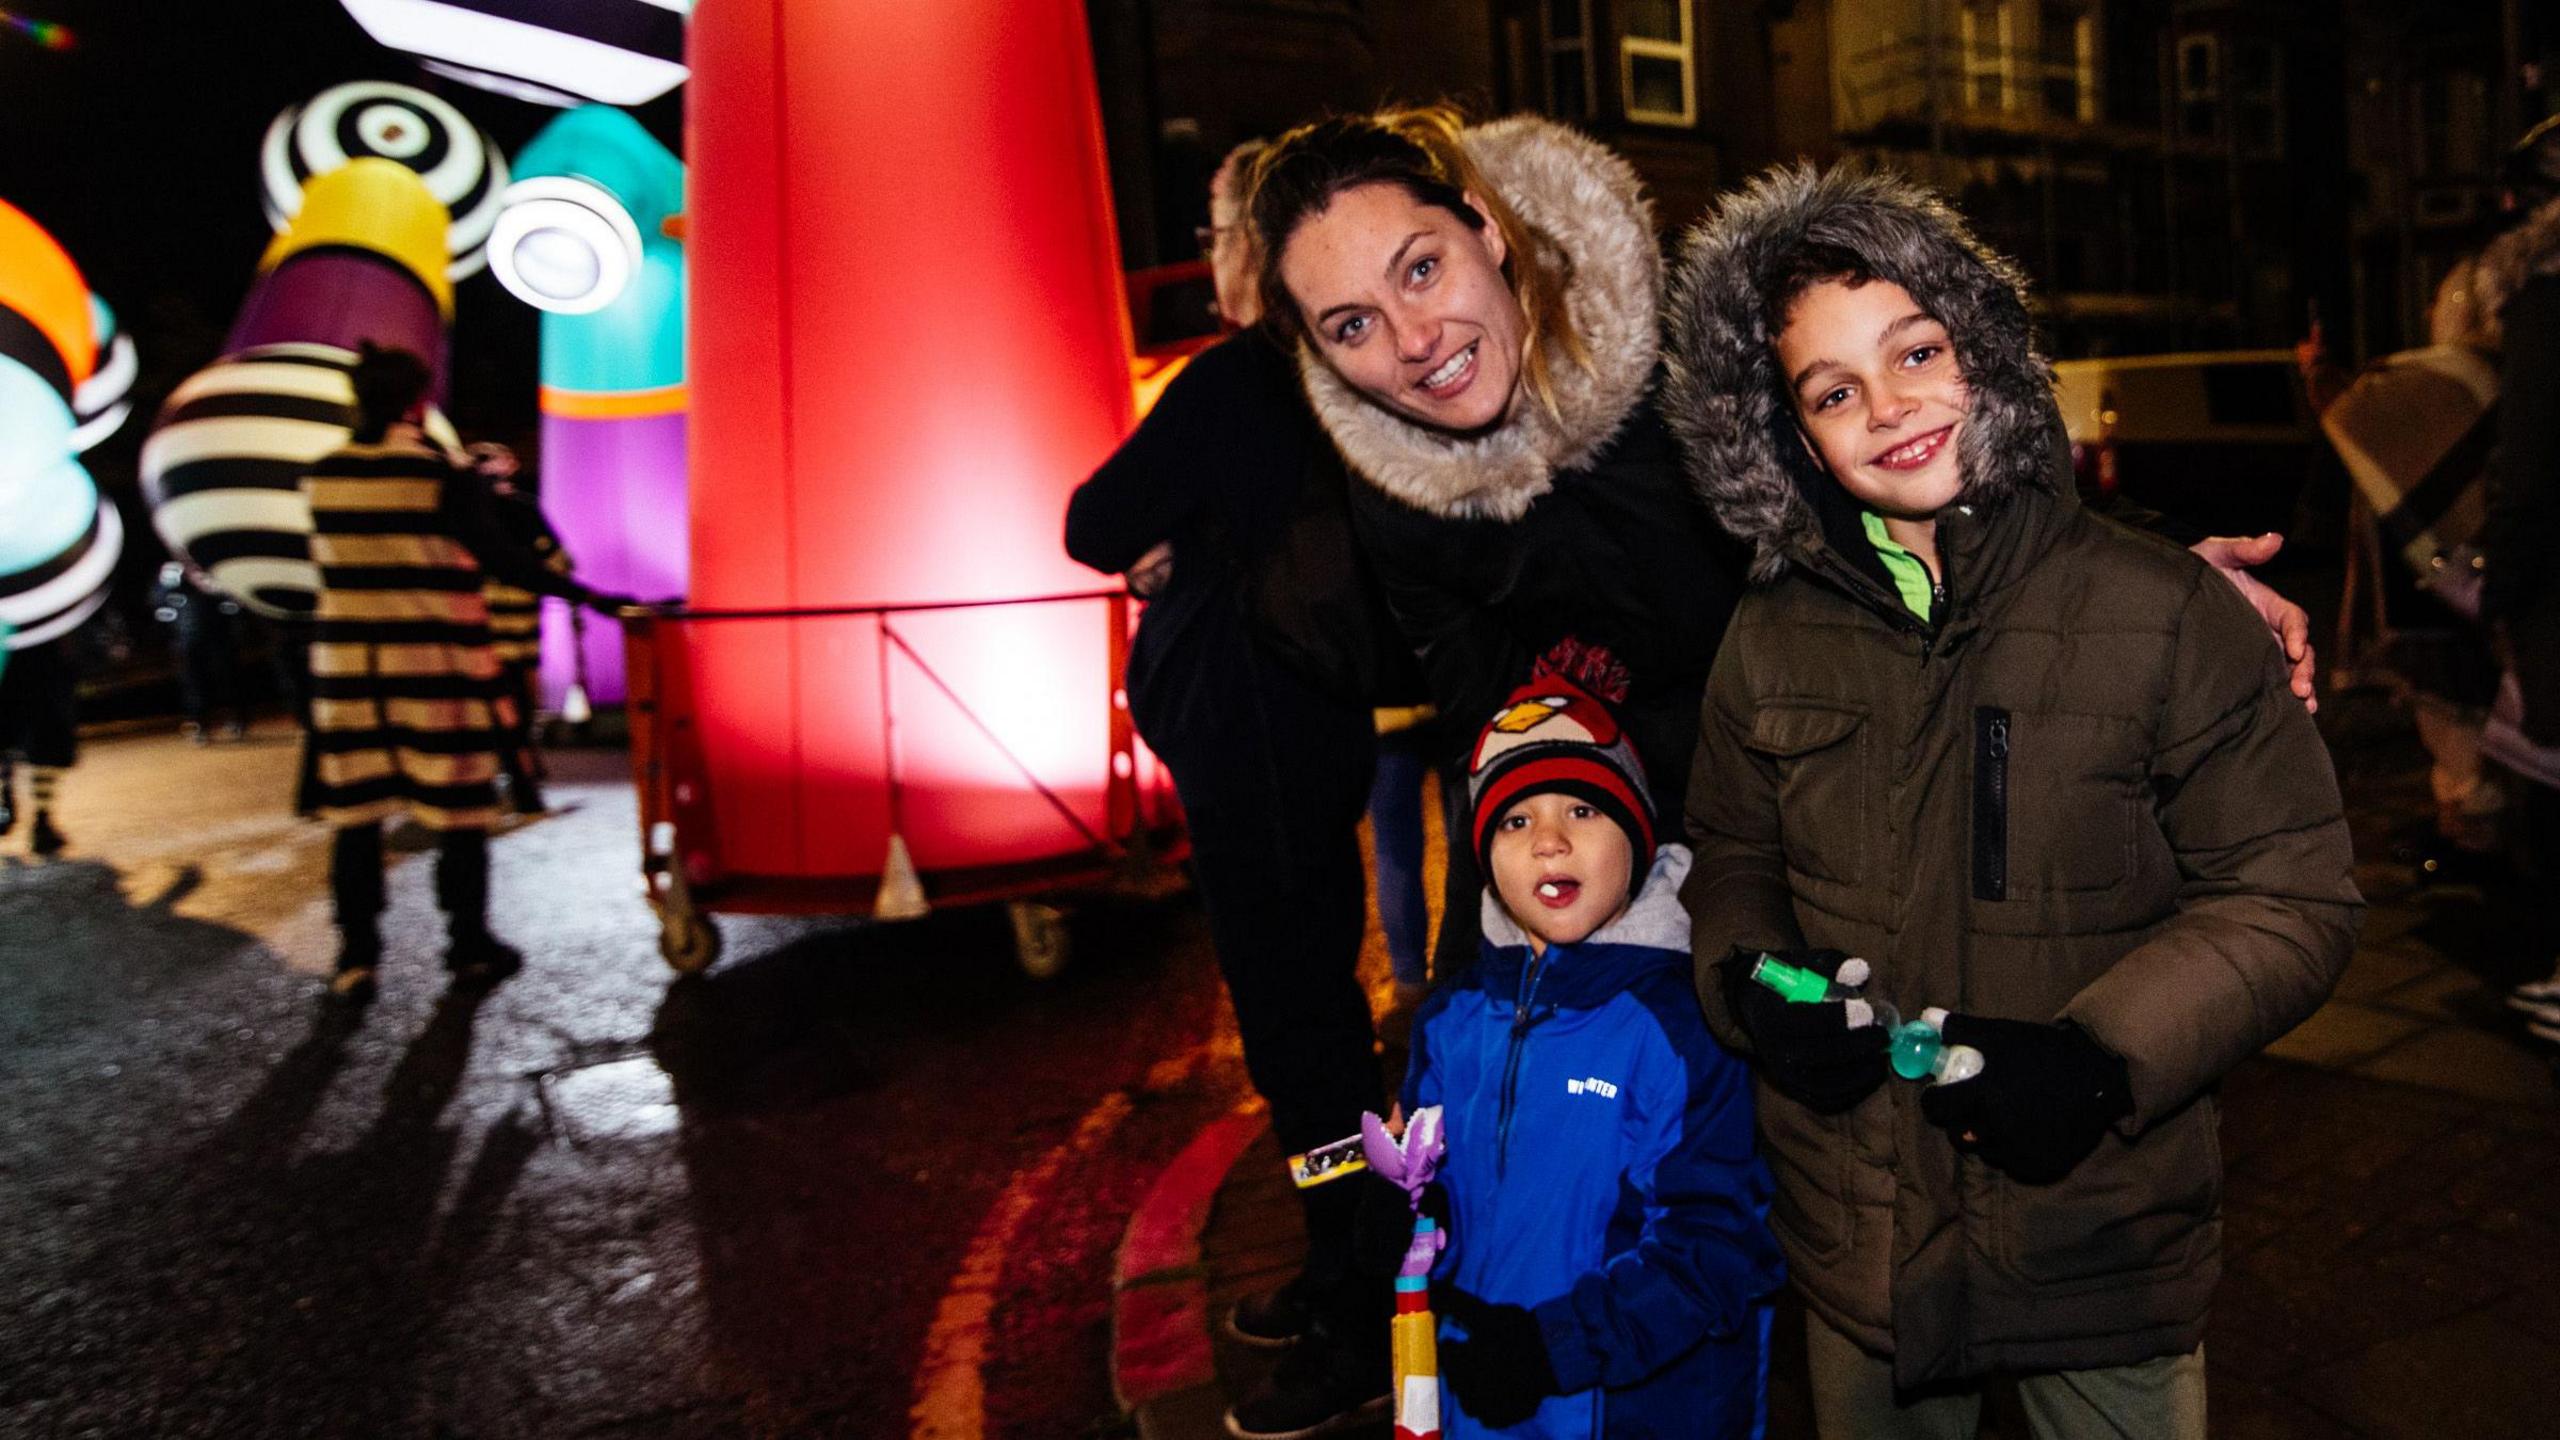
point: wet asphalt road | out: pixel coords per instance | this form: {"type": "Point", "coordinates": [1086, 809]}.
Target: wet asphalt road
{"type": "Point", "coordinates": [594, 1202]}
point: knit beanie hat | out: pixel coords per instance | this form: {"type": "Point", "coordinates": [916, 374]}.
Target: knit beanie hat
{"type": "Point", "coordinates": [1557, 733]}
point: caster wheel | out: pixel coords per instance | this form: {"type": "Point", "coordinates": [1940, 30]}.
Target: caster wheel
{"type": "Point", "coordinates": [688, 940]}
{"type": "Point", "coordinates": [1040, 940]}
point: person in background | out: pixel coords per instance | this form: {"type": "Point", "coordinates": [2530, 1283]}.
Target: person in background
{"type": "Point", "coordinates": [2519, 283]}
{"type": "Point", "coordinates": [1406, 748]}
{"type": "Point", "coordinates": [1273, 770]}
{"type": "Point", "coordinates": [202, 625]}
{"type": "Point", "coordinates": [515, 615]}
{"type": "Point", "coordinates": [406, 710]}
{"type": "Point", "coordinates": [2406, 426]}
{"type": "Point", "coordinates": [40, 726]}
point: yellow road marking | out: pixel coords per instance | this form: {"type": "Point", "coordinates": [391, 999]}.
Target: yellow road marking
{"type": "Point", "coordinates": [951, 1398]}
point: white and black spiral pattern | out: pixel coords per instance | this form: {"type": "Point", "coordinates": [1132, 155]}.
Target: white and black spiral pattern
{"type": "Point", "coordinates": [104, 401]}
{"type": "Point", "coordinates": [462, 166]}
{"type": "Point", "coordinates": [223, 468]}
{"type": "Point", "coordinates": [50, 600]}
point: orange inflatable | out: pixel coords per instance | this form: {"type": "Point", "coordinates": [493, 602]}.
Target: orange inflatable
{"type": "Point", "coordinates": [40, 283]}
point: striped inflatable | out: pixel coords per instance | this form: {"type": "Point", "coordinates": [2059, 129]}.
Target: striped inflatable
{"type": "Point", "coordinates": [462, 166]}
{"type": "Point", "coordinates": [46, 598]}
{"type": "Point", "coordinates": [104, 401]}
{"type": "Point", "coordinates": [223, 468]}
{"type": "Point", "coordinates": [551, 52]}
{"type": "Point", "coordinates": [58, 539]}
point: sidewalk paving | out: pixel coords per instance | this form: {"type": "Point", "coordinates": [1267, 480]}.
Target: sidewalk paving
{"type": "Point", "coordinates": [2391, 1238]}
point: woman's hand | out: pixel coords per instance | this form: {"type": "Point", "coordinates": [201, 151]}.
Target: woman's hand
{"type": "Point", "coordinates": [2288, 622]}
{"type": "Point", "coordinates": [1147, 578]}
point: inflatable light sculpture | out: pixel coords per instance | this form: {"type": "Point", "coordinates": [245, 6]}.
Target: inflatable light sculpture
{"type": "Point", "coordinates": [909, 347]}
{"type": "Point", "coordinates": [59, 538]}
{"type": "Point", "coordinates": [622, 52]}
{"type": "Point", "coordinates": [582, 237]}
{"type": "Point", "coordinates": [363, 258]}
{"type": "Point", "coordinates": [461, 166]}
{"type": "Point", "coordinates": [104, 401]}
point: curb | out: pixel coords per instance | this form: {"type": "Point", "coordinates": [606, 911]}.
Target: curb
{"type": "Point", "coordinates": [1163, 1372]}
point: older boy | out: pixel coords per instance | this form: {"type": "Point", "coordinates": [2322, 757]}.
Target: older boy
{"type": "Point", "coordinates": [2038, 770]}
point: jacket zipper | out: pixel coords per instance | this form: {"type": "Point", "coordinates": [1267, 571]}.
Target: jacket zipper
{"type": "Point", "coordinates": [1937, 610]}
{"type": "Point", "coordinates": [1893, 611]}
{"type": "Point", "coordinates": [1522, 1021]}
{"type": "Point", "coordinates": [1990, 803]}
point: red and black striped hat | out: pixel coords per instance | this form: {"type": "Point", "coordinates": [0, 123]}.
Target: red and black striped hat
{"type": "Point", "coordinates": [1557, 733]}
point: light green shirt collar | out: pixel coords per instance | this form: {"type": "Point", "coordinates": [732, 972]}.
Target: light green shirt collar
{"type": "Point", "coordinates": [1910, 577]}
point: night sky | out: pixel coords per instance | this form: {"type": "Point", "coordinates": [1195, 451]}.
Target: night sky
{"type": "Point", "coordinates": [138, 150]}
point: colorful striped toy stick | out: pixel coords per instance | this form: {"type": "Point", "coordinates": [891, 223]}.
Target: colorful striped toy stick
{"type": "Point", "coordinates": [1411, 1161]}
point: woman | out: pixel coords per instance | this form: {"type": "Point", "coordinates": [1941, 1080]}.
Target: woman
{"type": "Point", "coordinates": [1274, 771]}
{"type": "Point", "coordinates": [1477, 312]}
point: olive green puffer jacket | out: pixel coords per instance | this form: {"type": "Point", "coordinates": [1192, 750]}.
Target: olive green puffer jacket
{"type": "Point", "coordinates": [2084, 793]}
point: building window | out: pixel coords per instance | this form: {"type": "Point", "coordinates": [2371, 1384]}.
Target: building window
{"type": "Point", "coordinates": [1566, 28]}
{"type": "Point", "coordinates": [1657, 62]}
{"type": "Point", "coordinates": [2257, 99]}
{"type": "Point", "coordinates": [2067, 46]}
{"type": "Point", "coordinates": [1983, 31]}
{"type": "Point", "coordinates": [2200, 87]}
{"type": "Point", "coordinates": [2451, 117]}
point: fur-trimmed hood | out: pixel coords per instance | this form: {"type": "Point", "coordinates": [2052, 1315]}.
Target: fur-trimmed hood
{"type": "Point", "coordinates": [1582, 201]}
{"type": "Point", "coordinates": [2531, 248]}
{"type": "Point", "coordinates": [1726, 401]}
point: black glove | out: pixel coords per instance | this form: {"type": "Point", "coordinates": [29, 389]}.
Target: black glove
{"type": "Point", "coordinates": [1382, 1228]}
{"type": "Point", "coordinates": [2046, 1095]}
{"type": "Point", "coordinates": [1500, 1371]}
{"type": "Point", "coordinates": [1808, 1050]}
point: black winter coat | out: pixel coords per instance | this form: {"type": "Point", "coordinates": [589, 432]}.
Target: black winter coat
{"type": "Point", "coordinates": [2519, 282]}
{"type": "Point", "coordinates": [1619, 553]}
{"type": "Point", "coordinates": [1215, 468]}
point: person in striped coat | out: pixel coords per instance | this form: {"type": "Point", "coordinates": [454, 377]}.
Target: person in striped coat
{"type": "Point", "coordinates": [407, 713]}
{"type": "Point", "coordinates": [39, 723]}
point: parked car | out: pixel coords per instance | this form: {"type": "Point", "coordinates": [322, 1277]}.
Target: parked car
{"type": "Point", "coordinates": [2222, 440]}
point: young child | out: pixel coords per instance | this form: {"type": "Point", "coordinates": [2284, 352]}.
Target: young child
{"type": "Point", "coordinates": [1608, 1254]}
{"type": "Point", "coordinates": [2035, 769]}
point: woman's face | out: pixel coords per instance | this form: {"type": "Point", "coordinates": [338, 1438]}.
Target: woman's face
{"type": "Point", "coordinates": [1408, 304]}
{"type": "Point", "coordinates": [1878, 394]}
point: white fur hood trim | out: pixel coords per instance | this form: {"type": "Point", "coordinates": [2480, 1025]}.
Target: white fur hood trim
{"type": "Point", "coordinates": [1726, 401]}
{"type": "Point", "coordinates": [1584, 202]}
{"type": "Point", "coordinates": [2531, 248]}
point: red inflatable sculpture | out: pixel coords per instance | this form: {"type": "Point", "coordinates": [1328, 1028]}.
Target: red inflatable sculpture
{"type": "Point", "coordinates": [908, 346]}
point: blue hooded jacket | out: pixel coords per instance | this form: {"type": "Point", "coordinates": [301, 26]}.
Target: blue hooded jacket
{"type": "Point", "coordinates": [1601, 1173]}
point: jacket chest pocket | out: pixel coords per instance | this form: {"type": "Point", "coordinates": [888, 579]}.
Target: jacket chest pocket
{"type": "Point", "coordinates": [2052, 811]}
{"type": "Point", "coordinates": [1819, 753]}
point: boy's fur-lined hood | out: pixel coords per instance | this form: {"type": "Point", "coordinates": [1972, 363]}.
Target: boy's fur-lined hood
{"type": "Point", "coordinates": [1732, 410]}
{"type": "Point", "coordinates": [1584, 202]}
{"type": "Point", "coordinates": [2506, 263]}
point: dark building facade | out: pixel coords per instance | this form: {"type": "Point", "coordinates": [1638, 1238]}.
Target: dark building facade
{"type": "Point", "coordinates": [2175, 174]}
